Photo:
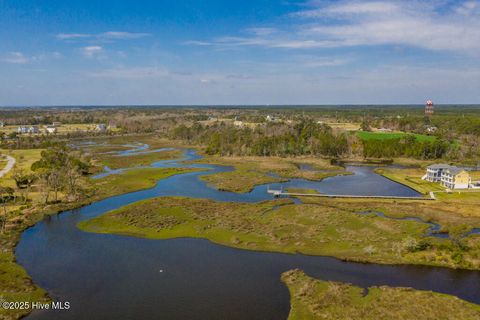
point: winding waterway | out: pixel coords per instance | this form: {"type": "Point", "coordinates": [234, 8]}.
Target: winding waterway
{"type": "Point", "coordinates": [121, 277]}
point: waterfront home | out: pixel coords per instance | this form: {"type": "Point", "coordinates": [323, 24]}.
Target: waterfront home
{"type": "Point", "coordinates": [448, 176]}
{"type": "Point", "coordinates": [455, 178]}
{"type": "Point", "coordinates": [434, 172]}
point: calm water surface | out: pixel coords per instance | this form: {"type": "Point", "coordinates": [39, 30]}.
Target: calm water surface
{"type": "Point", "coordinates": [119, 277]}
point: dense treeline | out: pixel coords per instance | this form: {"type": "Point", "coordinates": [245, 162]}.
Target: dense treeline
{"type": "Point", "coordinates": [305, 138]}
{"type": "Point", "coordinates": [405, 147]}
{"type": "Point", "coordinates": [274, 139]}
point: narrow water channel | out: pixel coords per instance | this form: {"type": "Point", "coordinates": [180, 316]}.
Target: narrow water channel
{"type": "Point", "coordinates": [121, 277]}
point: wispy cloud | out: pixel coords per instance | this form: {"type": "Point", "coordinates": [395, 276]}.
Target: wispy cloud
{"type": "Point", "coordinates": [130, 73]}
{"type": "Point", "coordinates": [122, 35]}
{"type": "Point", "coordinates": [109, 35]}
{"type": "Point", "coordinates": [16, 58]}
{"type": "Point", "coordinates": [432, 25]}
{"type": "Point", "coordinates": [92, 51]}
{"type": "Point", "coordinates": [70, 36]}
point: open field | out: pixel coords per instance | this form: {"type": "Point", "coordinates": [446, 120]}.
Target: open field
{"type": "Point", "coordinates": [347, 126]}
{"type": "Point", "coordinates": [252, 171]}
{"type": "Point", "coordinates": [24, 159]}
{"type": "Point", "coordinates": [366, 135]}
{"type": "Point", "coordinates": [316, 299]}
{"type": "Point", "coordinates": [61, 129]}
{"type": "Point", "coordinates": [331, 228]}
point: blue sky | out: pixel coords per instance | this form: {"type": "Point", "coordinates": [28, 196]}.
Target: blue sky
{"type": "Point", "coordinates": [86, 52]}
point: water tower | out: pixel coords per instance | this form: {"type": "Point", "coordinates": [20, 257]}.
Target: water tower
{"type": "Point", "coordinates": [429, 108]}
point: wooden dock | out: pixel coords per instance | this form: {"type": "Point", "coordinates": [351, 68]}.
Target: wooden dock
{"type": "Point", "coordinates": [278, 193]}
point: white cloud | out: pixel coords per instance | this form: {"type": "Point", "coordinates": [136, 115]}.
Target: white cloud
{"type": "Point", "coordinates": [325, 62]}
{"type": "Point", "coordinates": [469, 8]}
{"type": "Point", "coordinates": [429, 25]}
{"type": "Point", "coordinates": [122, 35]}
{"type": "Point", "coordinates": [130, 73]}
{"type": "Point", "coordinates": [92, 51]}
{"type": "Point", "coordinates": [109, 35]}
{"type": "Point", "coordinates": [262, 31]}
{"type": "Point", "coordinates": [16, 58]}
{"type": "Point", "coordinates": [70, 36]}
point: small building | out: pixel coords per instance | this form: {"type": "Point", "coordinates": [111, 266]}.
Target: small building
{"type": "Point", "coordinates": [238, 123]}
{"type": "Point", "coordinates": [51, 129]}
{"type": "Point", "coordinates": [101, 127]}
{"type": "Point", "coordinates": [56, 123]}
{"type": "Point", "coordinates": [448, 176]}
{"type": "Point", "coordinates": [33, 129]}
{"type": "Point", "coordinates": [270, 118]}
{"type": "Point", "coordinates": [22, 129]}
{"type": "Point", "coordinates": [2, 124]}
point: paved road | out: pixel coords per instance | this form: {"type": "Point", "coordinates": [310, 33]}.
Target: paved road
{"type": "Point", "coordinates": [8, 167]}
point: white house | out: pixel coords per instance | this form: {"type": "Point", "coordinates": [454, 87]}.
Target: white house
{"type": "Point", "coordinates": [22, 129]}
{"type": "Point", "coordinates": [449, 176]}
{"type": "Point", "coordinates": [33, 129]}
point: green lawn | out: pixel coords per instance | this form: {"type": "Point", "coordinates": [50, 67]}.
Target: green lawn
{"type": "Point", "coordinates": [366, 135]}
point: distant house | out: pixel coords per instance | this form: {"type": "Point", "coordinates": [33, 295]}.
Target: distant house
{"type": "Point", "coordinates": [448, 176]}
{"type": "Point", "coordinates": [33, 129]}
{"type": "Point", "coordinates": [270, 118]}
{"type": "Point", "coordinates": [22, 129]}
{"type": "Point", "coordinates": [238, 123]}
{"type": "Point", "coordinates": [101, 127]}
{"type": "Point", "coordinates": [2, 124]}
{"type": "Point", "coordinates": [56, 123]}
{"type": "Point", "coordinates": [51, 129]}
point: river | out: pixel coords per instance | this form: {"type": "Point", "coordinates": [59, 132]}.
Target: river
{"type": "Point", "coordinates": [121, 277]}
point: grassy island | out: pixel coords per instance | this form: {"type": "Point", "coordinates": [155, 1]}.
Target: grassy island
{"type": "Point", "coordinates": [316, 299]}
{"type": "Point", "coordinates": [332, 228]}
{"type": "Point", "coordinates": [251, 171]}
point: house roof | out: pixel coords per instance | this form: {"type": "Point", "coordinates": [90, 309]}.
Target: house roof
{"type": "Point", "coordinates": [439, 166]}
{"type": "Point", "coordinates": [454, 170]}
